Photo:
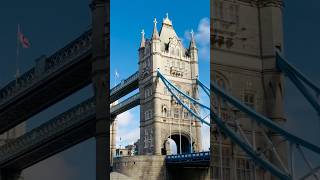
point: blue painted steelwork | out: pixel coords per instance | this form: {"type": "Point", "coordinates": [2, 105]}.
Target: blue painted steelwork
{"type": "Point", "coordinates": [248, 149]}
{"type": "Point", "coordinates": [169, 85]}
{"type": "Point", "coordinates": [284, 63]}
{"type": "Point", "coordinates": [190, 157]}
{"type": "Point", "coordinates": [264, 120]}
{"type": "Point", "coordinates": [204, 87]}
{"type": "Point", "coordinates": [260, 119]}
{"type": "Point", "coordinates": [167, 82]}
{"type": "Point", "coordinates": [234, 137]}
{"type": "Point", "coordinates": [295, 76]}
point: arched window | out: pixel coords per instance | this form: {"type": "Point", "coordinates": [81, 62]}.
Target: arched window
{"type": "Point", "coordinates": [164, 110]}
{"type": "Point", "coordinates": [176, 113]}
{"type": "Point", "coordinates": [220, 104]}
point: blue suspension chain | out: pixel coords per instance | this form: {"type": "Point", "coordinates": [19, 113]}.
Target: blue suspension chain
{"type": "Point", "coordinates": [169, 86]}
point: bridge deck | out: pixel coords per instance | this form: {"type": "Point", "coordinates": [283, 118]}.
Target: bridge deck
{"type": "Point", "coordinates": [51, 80]}
{"type": "Point", "coordinates": [58, 134]}
{"type": "Point", "coordinates": [125, 87]}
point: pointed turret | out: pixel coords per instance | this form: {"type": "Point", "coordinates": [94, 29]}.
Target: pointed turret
{"type": "Point", "coordinates": [155, 34]}
{"type": "Point", "coordinates": [167, 21]}
{"type": "Point", "coordinates": [143, 40]}
{"type": "Point", "coordinates": [167, 31]}
{"type": "Point", "coordinates": [193, 41]}
{"type": "Point", "coordinates": [194, 57]}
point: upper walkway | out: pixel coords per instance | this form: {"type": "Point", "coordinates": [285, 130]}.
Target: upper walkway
{"type": "Point", "coordinates": [58, 134]}
{"type": "Point", "coordinates": [51, 80]}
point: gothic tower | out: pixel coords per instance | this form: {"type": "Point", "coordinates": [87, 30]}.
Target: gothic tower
{"type": "Point", "coordinates": [244, 35]}
{"type": "Point", "coordinates": [160, 116]}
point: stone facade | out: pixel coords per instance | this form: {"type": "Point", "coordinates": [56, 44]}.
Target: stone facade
{"type": "Point", "coordinates": [160, 115]}
{"type": "Point", "coordinates": [244, 35]}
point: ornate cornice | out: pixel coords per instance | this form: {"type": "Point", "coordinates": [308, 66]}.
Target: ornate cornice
{"type": "Point", "coordinates": [264, 3]}
{"type": "Point", "coordinates": [270, 3]}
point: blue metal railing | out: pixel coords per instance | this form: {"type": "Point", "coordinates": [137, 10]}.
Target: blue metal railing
{"type": "Point", "coordinates": [190, 157]}
{"type": "Point", "coordinates": [123, 83]}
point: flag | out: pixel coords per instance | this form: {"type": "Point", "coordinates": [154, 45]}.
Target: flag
{"type": "Point", "coordinates": [117, 75]}
{"type": "Point", "coordinates": [23, 40]}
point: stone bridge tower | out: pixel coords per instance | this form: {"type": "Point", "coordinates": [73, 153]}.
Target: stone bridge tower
{"type": "Point", "coordinates": [160, 116]}
{"type": "Point", "coordinates": [244, 35]}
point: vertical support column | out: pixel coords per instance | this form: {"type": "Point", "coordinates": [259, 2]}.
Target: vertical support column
{"type": "Point", "coordinates": [157, 125]}
{"type": "Point", "coordinates": [212, 140]}
{"type": "Point", "coordinates": [113, 138]}
{"type": "Point", "coordinates": [197, 136]}
{"type": "Point", "coordinates": [100, 78]}
{"type": "Point", "coordinates": [270, 17]}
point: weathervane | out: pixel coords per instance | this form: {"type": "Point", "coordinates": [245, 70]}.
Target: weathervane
{"type": "Point", "coordinates": [192, 34]}
{"type": "Point", "coordinates": [155, 22]}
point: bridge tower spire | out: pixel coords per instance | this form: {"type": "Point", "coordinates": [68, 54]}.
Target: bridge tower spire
{"type": "Point", "coordinates": [155, 34]}
{"type": "Point", "coordinates": [159, 111]}
{"type": "Point", "coordinates": [143, 40]}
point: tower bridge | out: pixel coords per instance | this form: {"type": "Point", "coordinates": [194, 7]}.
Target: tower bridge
{"type": "Point", "coordinates": [248, 140]}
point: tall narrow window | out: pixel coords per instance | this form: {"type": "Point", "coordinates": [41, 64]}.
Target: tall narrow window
{"type": "Point", "coordinates": [176, 113]}
{"type": "Point", "coordinates": [248, 99]}
{"type": "Point", "coordinates": [186, 115]}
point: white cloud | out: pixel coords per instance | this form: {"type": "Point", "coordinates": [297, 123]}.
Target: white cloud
{"type": "Point", "coordinates": [128, 128]}
{"type": "Point", "coordinates": [202, 37]}
{"type": "Point", "coordinates": [125, 119]}
{"type": "Point", "coordinates": [203, 34]}
{"type": "Point", "coordinates": [128, 136]}
{"type": "Point", "coordinates": [205, 136]}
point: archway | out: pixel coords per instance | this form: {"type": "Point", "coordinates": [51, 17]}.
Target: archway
{"type": "Point", "coordinates": [172, 145]}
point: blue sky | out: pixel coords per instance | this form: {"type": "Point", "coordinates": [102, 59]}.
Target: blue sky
{"type": "Point", "coordinates": [50, 25]}
{"type": "Point", "coordinates": [125, 36]}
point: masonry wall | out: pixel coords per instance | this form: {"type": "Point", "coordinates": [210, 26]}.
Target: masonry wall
{"type": "Point", "coordinates": [153, 167]}
{"type": "Point", "coordinates": [141, 167]}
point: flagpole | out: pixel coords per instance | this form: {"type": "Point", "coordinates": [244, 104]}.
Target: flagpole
{"type": "Point", "coordinates": [17, 55]}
